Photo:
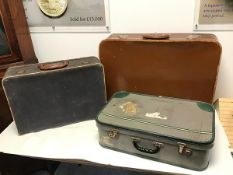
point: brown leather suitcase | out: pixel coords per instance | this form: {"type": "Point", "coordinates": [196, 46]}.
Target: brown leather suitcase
{"type": "Point", "coordinates": [176, 65]}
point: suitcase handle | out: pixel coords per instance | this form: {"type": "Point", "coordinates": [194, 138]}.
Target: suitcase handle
{"type": "Point", "coordinates": [156, 36]}
{"type": "Point", "coordinates": [53, 65]}
{"type": "Point", "coordinates": [146, 150]}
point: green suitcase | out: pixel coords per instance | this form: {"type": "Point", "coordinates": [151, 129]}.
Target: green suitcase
{"type": "Point", "coordinates": [175, 131]}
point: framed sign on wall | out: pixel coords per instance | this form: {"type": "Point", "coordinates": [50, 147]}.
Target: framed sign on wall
{"type": "Point", "coordinates": [67, 15]}
{"type": "Point", "coordinates": [213, 15]}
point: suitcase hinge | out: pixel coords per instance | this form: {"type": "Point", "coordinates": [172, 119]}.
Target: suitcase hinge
{"type": "Point", "coordinates": [183, 150]}
{"type": "Point", "coordinates": [113, 133]}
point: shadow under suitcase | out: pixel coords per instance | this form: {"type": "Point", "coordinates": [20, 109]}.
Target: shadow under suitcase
{"type": "Point", "coordinates": [78, 169]}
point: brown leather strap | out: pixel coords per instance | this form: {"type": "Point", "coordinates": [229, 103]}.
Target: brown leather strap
{"type": "Point", "coordinates": [156, 36]}
{"type": "Point", "coordinates": [53, 65]}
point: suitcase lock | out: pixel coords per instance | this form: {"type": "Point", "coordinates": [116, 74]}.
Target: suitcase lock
{"type": "Point", "coordinates": [183, 150]}
{"type": "Point", "coordinates": [112, 133]}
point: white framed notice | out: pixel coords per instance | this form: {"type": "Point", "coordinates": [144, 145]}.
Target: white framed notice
{"type": "Point", "coordinates": [213, 15]}
{"type": "Point", "coordinates": [67, 15]}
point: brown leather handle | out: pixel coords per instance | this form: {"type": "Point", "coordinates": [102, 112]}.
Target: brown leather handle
{"type": "Point", "coordinates": [156, 36]}
{"type": "Point", "coordinates": [53, 65]}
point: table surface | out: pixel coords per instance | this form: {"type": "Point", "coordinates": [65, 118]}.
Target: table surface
{"type": "Point", "coordinates": [79, 142]}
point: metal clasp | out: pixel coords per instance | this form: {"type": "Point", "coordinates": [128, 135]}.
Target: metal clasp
{"type": "Point", "coordinates": [183, 150]}
{"type": "Point", "coordinates": [113, 133]}
{"type": "Point", "coordinates": [159, 144]}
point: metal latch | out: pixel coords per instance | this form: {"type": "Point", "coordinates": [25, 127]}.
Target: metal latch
{"type": "Point", "coordinates": [183, 149]}
{"type": "Point", "coordinates": [113, 133]}
{"type": "Point", "coordinates": [159, 144]}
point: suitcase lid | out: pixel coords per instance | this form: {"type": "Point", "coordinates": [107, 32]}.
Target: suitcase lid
{"type": "Point", "coordinates": [39, 68]}
{"type": "Point", "coordinates": [164, 37]}
{"type": "Point", "coordinates": [185, 120]}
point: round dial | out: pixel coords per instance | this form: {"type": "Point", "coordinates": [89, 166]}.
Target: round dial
{"type": "Point", "coordinates": [53, 8]}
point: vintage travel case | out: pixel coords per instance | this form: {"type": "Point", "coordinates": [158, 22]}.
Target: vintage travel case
{"type": "Point", "coordinates": [176, 65]}
{"type": "Point", "coordinates": [174, 131]}
{"type": "Point", "coordinates": [53, 94]}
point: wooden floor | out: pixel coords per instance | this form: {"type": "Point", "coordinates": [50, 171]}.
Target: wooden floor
{"type": "Point", "coordinates": [225, 108]}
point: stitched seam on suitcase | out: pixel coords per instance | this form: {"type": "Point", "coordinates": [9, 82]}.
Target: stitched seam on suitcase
{"type": "Point", "coordinates": [160, 125]}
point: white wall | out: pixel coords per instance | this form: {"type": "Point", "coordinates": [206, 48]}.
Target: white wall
{"type": "Point", "coordinates": [136, 16]}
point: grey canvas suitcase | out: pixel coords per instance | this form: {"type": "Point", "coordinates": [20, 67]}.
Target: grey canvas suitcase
{"type": "Point", "coordinates": [53, 94]}
{"type": "Point", "coordinates": [174, 131]}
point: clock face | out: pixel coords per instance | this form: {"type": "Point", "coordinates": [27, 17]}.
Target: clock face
{"type": "Point", "coordinates": [53, 8]}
